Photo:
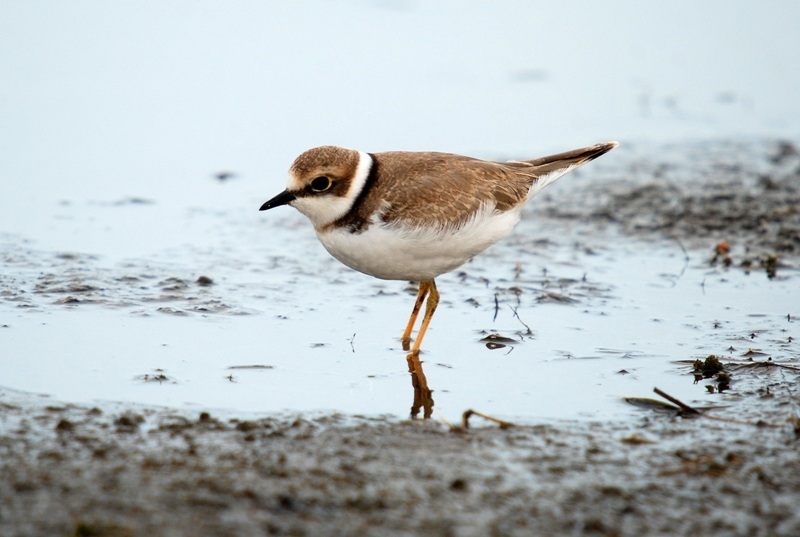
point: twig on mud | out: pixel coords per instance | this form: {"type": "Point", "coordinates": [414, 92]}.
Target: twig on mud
{"type": "Point", "coordinates": [528, 328]}
{"type": "Point", "coordinates": [685, 261]}
{"type": "Point", "coordinates": [692, 412]}
{"type": "Point", "coordinates": [760, 365]}
{"type": "Point", "coordinates": [686, 408]}
{"type": "Point", "coordinates": [468, 413]}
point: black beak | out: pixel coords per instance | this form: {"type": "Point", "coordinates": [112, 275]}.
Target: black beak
{"type": "Point", "coordinates": [281, 199]}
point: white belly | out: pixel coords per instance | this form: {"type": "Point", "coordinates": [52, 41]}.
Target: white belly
{"type": "Point", "coordinates": [416, 254]}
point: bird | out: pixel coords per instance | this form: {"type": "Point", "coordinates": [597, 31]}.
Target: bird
{"type": "Point", "coordinates": [412, 216]}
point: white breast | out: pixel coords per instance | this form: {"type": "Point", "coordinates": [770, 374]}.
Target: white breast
{"type": "Point", "coordinates": [420, 253]}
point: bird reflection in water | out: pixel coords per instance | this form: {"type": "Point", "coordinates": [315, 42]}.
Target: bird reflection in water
{"type": "Point", "coordinates": [422, 394]}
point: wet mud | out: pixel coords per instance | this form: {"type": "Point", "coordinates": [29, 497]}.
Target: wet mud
{"type": "Point", "coordinates": [742, 195]}
{"type": "Point", "coordinates": [728, 467]}
{"type": "Point", "coordinates": [71, 470]}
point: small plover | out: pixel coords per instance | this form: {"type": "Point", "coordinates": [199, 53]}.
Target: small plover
{"type": "Point", "coordinates": [415, 215]}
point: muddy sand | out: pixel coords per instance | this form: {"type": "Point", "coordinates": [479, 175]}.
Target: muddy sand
{"type": "Point", "coordinates": [732, 469]}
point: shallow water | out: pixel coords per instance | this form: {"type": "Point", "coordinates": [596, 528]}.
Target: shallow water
{"type": "Point", "coordinates": [595, 317]}
{"type": "Point", "coordinates": [110, 211]}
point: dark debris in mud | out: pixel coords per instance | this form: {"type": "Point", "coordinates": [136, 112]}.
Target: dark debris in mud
{"type": "Point", "coordinates": [158, 376]}
{"type": "Point", "coordinates": [71, 279]}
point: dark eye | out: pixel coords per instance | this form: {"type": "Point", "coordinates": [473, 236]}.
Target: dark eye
{"type": "Point", "coordinates": [320, 184]}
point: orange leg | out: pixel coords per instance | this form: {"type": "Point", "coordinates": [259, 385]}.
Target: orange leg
{"type": "Point", "coordinates": [423, 291]}
{"type": "Point", "coordinates": [430, 307]}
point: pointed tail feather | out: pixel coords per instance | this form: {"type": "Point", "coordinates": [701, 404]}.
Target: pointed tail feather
{"type": "Point", "coordinates": [576, 156]}
{"type": "Point", "coordinates": [547, 169]}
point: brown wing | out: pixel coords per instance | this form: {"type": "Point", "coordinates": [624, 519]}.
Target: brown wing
{"type": "Point", "coordinates": [450, 188]}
